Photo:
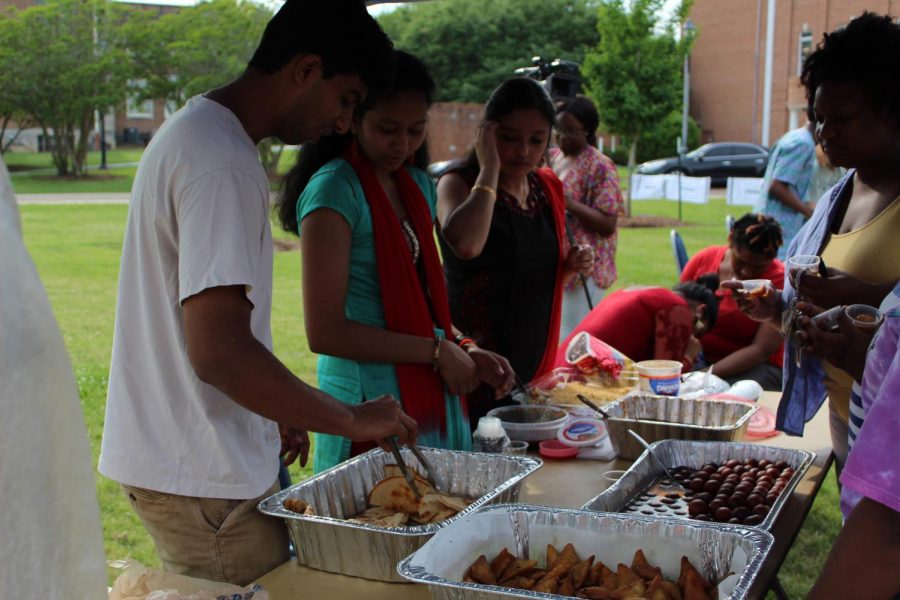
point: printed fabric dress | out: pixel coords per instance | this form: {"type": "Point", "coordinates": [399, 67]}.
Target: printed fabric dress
{"type": "Point", "coordinates": [593, 181]}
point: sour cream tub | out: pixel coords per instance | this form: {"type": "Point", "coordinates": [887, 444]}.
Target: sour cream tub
{"type": "Point", "coordinates": [660, 377]}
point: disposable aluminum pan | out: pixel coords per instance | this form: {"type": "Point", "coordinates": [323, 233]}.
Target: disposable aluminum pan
{"type": "Point", "coordinates": [731, 556]}
{"type": "Point", "coordinates": [657, 418]}
{"type": "Point", "coordinates": [646, 471]}
{"type": "Point", "coordinates": [329, 543]}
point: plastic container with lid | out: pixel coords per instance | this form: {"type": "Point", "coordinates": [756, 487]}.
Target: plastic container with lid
{"type": "Point", "coordinates": [660, 377]}
{"type": "Point", "coordinates": [489, 436]}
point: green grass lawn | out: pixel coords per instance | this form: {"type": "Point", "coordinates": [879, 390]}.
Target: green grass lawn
{"type": "Point", "coordinates": [76, 249]}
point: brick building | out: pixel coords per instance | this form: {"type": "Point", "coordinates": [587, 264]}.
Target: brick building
{"type": "Point", "coordinates": [728, 61]}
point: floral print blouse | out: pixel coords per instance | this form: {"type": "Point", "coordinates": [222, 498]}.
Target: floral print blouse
{"type": "Point", "coordinates": [593, 180]}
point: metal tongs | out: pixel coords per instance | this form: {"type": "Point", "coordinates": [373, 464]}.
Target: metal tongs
{"type": "Point", "coordinates": [430, 474]}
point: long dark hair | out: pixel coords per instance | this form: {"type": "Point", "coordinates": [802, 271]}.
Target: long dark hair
{"type": "Point", "coordinates": [703, 290]}
{"type": "Point", "coordinates": [411, 75]}
{"type": "Point", "coordinates": [584, 110]}
{"type": "Point", "coordinates": [517, 93]}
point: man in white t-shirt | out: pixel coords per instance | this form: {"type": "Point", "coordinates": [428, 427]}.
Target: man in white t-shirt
{"type": "Point", "coordinates": [196, 397]}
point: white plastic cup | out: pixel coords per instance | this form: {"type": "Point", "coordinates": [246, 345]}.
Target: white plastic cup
{"type": "Point", "coordinates": [660, 377]}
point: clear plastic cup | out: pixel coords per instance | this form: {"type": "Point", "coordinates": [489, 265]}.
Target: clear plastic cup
{"type": "Point", "coordinates": [800, 263]}
{"type": "Point", "coordinates": [828, 320]}
{"type": "Point", "coordinates": [757, 288]}
{"type": "Point", "coordinates": [864, 317]}
{"type": "Point", "coordinates": [517, 447]}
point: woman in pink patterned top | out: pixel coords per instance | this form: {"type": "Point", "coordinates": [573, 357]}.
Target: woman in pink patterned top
{"type": "Point", "coordinates": [593, 202]}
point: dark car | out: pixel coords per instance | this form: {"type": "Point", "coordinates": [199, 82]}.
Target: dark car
{"type": "Point", "coordinates": [718, 161]}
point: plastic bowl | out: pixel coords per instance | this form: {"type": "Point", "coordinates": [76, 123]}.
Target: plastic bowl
{"type": "Point", "coordinates": [530, 422]}
{"type": "Point", "coordinates": [660, 377]}
{"type": "Point", "coordinates": [556, 449]}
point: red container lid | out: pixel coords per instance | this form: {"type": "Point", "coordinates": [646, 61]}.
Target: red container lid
{"type": "Point", "coordinates": [556, 449]}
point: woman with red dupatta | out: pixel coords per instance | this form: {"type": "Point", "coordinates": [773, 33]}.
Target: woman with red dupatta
{"type": "Point", "coordinates": [374, 297]}
{"type": "Point", "coordinates": [503, 237]}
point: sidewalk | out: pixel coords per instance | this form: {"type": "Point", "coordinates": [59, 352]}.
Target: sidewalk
{"type": "Point", "coordinates": [73, 198]}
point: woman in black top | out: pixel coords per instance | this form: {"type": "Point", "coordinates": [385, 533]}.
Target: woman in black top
{"type": "Point", "coordinates": [502, 237]}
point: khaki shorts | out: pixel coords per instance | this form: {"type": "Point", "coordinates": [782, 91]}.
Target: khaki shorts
{"type": "Point", "coordinates": [211, 538]}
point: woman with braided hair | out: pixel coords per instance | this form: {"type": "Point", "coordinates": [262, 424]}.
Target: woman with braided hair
{"type": "Point", "coordinates": [738, 347]}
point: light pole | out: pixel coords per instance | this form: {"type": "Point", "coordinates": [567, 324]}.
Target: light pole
{"type": "Point", "coordinates": [687, 31]}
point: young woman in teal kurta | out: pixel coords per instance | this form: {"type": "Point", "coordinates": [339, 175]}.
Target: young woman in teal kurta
{"type": "Point", "coordinates": [360, 356]}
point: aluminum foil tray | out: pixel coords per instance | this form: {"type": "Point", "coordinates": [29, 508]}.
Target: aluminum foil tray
{"type": "Point", "coordinates": [646, 471]}
{"type": "Point", "coordinates": [329, 543]}
{"type": "Point", "coordinates": [657, 418]}
{"type": "Point", "coordinates": [716, 551]}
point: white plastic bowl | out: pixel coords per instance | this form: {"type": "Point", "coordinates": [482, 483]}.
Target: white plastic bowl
{"type": "Point", "coordinates": [530, 422]}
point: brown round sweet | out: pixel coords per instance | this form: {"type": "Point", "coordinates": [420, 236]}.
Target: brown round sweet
{"type": "Point", "coordinates": [716, 505]}
{"type": "Point", "coordinates": [754, 499]}
{"type": "Point", "coordinates": [705, 496]}
{"type": "Point", "coordinates": [743, 488]}
{"type": "Point", "coordinates": [696, 484]}
{"type": "Point", "coordinates": [764, 463]}
{"type": "Point", "coordinates": [704, 518]}
{"type": "Point", "coordinates": [723, 514]}
{"type": "Point", "coordinates": [732, 463]}
{"type": "Point", "coordinates": [709, 468]}
{"type": "Point", "coordinates": [741, 513]}
{"type": "Point", "coordinates": [727, 489]}
{"type": "Point", "coordinates": [771, 498]}
{"type": "Point", "coordinates": [698, 507]}
{"type": "Point", "coordinates": [701, 475]}
{"type": "Point", "coordinates": [712, 486]}
{"type": "Point", "coordinates": [737, 500]}
{"type": "Point", "coordinates": [781, 465]}
{"type": "Point", "coordinates": [734, 520]}
{"type": "Point", "coordinates": [753, 520]}
{"type": "Point", "coordinates": [761, 510]}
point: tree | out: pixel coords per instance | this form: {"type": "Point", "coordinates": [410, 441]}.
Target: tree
{"type": "Point", "coordinates": [634, 73]}
{"type": "Point", "coordinates": [195, 49]}
{"type": "Point", "coordinates": [471, 46]}
{"type": "Point", "coordinates": [67, 61]}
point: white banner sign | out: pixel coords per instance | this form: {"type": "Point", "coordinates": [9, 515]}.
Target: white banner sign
{"type": "Point", "coordinates": [694, 190]}
{"type": "Point", "coordinates": [743, 190]}
{"type": "Point", "coordinates": [648, 187]}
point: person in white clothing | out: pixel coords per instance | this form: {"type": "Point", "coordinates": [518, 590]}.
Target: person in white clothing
{"type": "Point", "coordinates": [196, 398]}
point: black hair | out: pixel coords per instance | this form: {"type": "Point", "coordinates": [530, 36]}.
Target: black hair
{"type": "Point", "coordinates": [517, 93]}
{"type": "Point", "coordinates": [703, 290]}
{"type": "Point", "coordinates": [582, 108]}
{"type": "Point", "coordinates": [341, 32]}
{"type": "Point", "coordinates": [758, 233]}
{"type": "Point", "coordinates": [411, 76]}
{"type": "Point", "coordinates": [867, 53]}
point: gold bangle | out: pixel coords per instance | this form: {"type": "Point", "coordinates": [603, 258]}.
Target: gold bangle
{"type": "Point", "coordinates": [484, 188]}
{"type": "Point", "coordinates": [436, 357]}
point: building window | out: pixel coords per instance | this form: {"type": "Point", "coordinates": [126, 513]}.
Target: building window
{"type": "Point", "coordinates": [134, 108]}
{"type": "Point", "coordinates": [804, 49]}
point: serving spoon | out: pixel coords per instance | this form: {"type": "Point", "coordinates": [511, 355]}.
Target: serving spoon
{"type": "Point", "coordinates": [672, 482]}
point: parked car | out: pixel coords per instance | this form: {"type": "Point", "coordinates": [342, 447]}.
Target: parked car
{"type": "Point", "coordinates": [719, 161]}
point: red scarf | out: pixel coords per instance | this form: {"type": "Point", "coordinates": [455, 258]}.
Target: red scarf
{"type": "Point", "coordinates": [553, 188]}
{"type": "Point", "coordinates": [406, 308]}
